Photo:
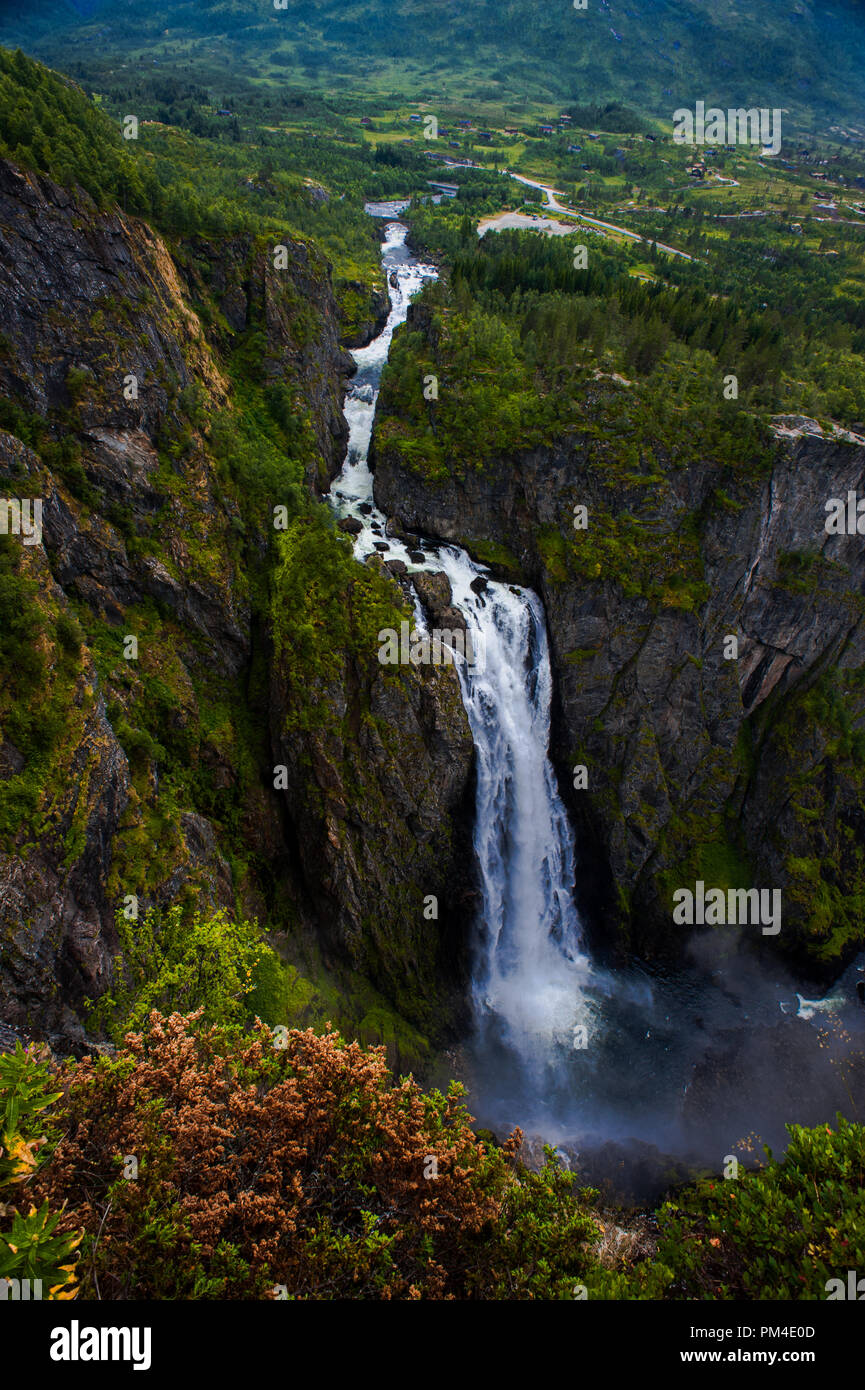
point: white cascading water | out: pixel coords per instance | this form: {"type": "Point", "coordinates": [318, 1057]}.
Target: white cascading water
{"type": "Point", "coordinates": [530, 972]}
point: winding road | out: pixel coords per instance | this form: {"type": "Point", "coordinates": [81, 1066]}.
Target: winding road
{"type": "Point", "coordinates": [517, 219]}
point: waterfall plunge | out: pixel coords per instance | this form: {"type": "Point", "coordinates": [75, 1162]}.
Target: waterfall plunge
{"type": "Point", "coordinates": [529, 972]}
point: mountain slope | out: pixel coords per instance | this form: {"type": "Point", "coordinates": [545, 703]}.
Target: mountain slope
{"type": "Point", "coordinates": [655, 54]}
{"type": "Point", "coordinates": [159, 398]}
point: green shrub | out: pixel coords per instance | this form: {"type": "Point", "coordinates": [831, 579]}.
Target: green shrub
{"type": "Point", "coordinates": [778, 1232]}
{"type": "Point", "coordinates": [30, 1248]}
{"type": "Point", "coordinates": [176, 960]}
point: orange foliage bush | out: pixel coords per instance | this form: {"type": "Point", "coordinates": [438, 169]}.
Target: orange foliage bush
{"type": "Point", "coordinates": [306, 1166]}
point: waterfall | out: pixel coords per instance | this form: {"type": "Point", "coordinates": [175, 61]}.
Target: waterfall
{"type": "Point", "coordinates": [530, 969]}
{"type": "Point", "coordinates": [530, 972]}
{"type": "Point", "coordinates": [581, 1053]}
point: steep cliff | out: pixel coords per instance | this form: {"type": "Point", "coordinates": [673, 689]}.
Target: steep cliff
{"type": "Point", "coordinates": [160, 402]}
{"type": "Point", "coordinates": [738, 770]}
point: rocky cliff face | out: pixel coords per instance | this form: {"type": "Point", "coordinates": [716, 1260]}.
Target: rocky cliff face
{"type": "Point", "coordinates": [296, 316]}
{"type": "Point", "coordinates": [739, 770]}
{"type": "Point", "coordinates": [141, 711]}
{"type": "Point", "coordinates": [380, 796]}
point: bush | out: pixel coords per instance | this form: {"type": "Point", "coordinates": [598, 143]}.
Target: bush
{"type": "Point", "coordinates": [779, 1232]}
{"type": "Point", "coordinates": [177, 960]}
{"type": "Point", "coordinates": [297, 1160]}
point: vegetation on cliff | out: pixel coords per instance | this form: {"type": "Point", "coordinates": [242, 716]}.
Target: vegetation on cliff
{"type": "Point", "coordinates": [189, 563]}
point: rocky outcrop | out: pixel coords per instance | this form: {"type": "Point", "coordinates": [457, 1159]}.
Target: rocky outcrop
{"type": "Point", "coordinates": [433, 588]}
{"type": "Point", "coordinates": [282, 291]}
{"type": "Point", "coordinates": [380, 795]}
{"type": "Point", "coordinates": [373, 317]}
{"type": "Point", "coordinates": [738, 769]}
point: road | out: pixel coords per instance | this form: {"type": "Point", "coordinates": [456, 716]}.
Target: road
{"type": "Point", "coordinates": [552, 202]}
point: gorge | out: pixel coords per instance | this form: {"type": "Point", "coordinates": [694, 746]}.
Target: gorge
{"type": "Point", "coordinates": [578, 1051]}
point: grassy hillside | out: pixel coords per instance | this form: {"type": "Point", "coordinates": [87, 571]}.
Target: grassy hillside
{"type": "Point", "coordinates": [654, 54]}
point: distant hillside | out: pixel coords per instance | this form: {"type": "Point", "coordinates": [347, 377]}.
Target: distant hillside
{"type": "Point", "coordinates": [653, 54]}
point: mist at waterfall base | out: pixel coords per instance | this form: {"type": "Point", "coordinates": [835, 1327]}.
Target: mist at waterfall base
{"type": "Point", "coordinates": [717, 1054]}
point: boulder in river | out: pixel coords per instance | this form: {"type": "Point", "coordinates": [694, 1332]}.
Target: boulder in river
{"type": "Point", "coordinates": [394, 526]}
{"type": "Point", "coordinates": [434, 591]}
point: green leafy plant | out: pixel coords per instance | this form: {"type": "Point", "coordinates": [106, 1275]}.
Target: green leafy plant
{"type": "Point", "coordinates": [31, 1248]}
{"type": "Point", "coordinates": [181, 960]}
{"type": "Point", "coordinates": [777, 1232]}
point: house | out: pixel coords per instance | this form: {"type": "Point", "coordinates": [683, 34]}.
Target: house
{"type": "Point", "coordinates": [454, 144]}
{"type": "Point", "coordinates": [574, 149]}
{"type": "Point", "coordinates": [511, 130]}
{"type": "Point", "coordinates": [365, 121]}
{"type": "Point", "coordinates": [564, 119]}
{"type": "Point", "coordinates": [466, 125]}
{"type": "Point", "coordinates": [485, 135]}
{"type": "Point", "coordinates": [415, 117]}
{"type": "Point", "coordinates": [545, 129]}
{"type": "Point", "coordinates": [222, 112]}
